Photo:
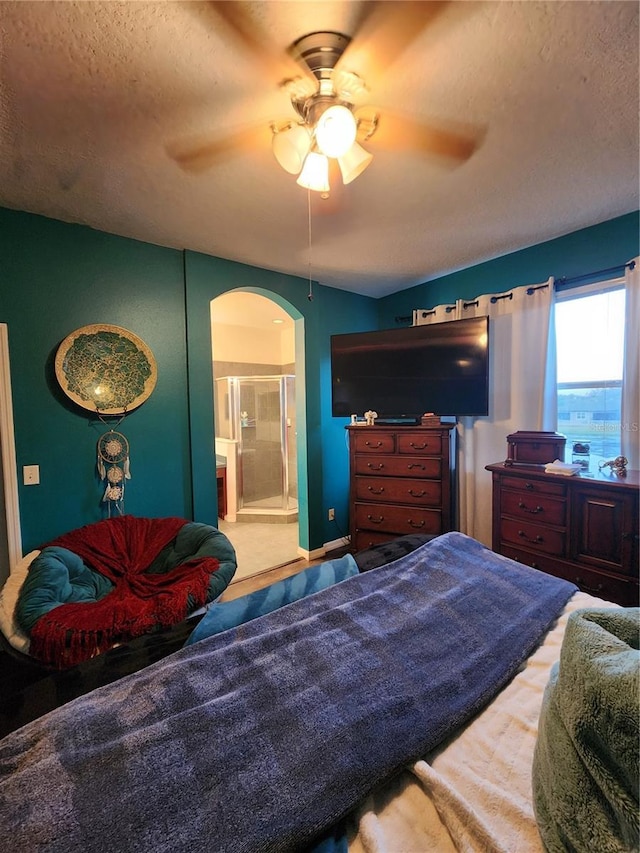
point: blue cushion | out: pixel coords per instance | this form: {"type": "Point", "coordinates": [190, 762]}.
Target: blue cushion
{"type": "Point", "coordinates": [57, 576]}
{"type": "Point", "coordinates": [199, 540]}
{"type": "Point", "coordinates": [222, 615]}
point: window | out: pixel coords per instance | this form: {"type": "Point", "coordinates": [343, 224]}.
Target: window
{"type": "Point", "coordinates": [590, 340]}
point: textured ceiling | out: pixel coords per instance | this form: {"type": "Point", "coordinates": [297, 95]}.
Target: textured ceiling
{"type": "Point", "coordinates": [95, 97]}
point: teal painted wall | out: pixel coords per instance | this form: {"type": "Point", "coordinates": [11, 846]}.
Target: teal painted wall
{"type": "Point", "coordinates": [56, 277]}
{"type": "Point", "coordinates": [341, 312]}
{"type": "Point", "coordinates": [598, 247]}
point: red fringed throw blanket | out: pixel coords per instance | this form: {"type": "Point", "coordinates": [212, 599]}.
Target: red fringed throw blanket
{"type": "Point", "coordinates": [120, 548]}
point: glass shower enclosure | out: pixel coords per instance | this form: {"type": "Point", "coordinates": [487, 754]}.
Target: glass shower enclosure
{"type": "Point", "coordinates": [258, 413]}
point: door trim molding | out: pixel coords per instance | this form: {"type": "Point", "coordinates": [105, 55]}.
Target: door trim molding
{"type": "Point", "coordinates": [8, 448]}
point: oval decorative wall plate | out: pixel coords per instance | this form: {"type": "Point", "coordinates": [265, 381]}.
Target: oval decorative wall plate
{"type": "Point", "coordinates": [106, 369]}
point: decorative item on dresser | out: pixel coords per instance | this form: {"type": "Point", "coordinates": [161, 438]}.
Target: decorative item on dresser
{"type": "Point", "coordinates": [534, 447]}
{"type": "Point", "coordinates": [583, 529]}
{"type": "Point", "coordinates": [401, 481]}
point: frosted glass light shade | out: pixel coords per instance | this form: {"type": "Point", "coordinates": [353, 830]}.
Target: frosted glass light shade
{"type": "Point", "coordinates": [336, 131]}
{"type": "Point", "coordinates": [291, 146]}
{"type": "Point", "coordinates": [354, 162]}
{"type": "Point", "coordinates": [315, 173]}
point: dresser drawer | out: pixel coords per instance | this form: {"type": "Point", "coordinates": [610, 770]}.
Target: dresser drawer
{"type": "Point", "coordinates": [535, 487]}
{"type": "Point", "coordinates": [369, 538]}
{"type": "Point", "coordinates": [397, 466]}
{"type": "Point", "coordinates": [591, 581]}
{"type": "Point", "coordinates": [533, 536]}
{"type": "Point", "coordinates": [531, 506]}
{"type": "Point", "coordinates": [397, 519]}
{"type": "Point", "coordinates": [419, 443]}
{"type": "Point", "coordinates": [399, 490]}
{"type": "Point", "coordinates": [379, 442]}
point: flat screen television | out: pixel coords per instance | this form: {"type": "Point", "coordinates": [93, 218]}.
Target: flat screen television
{"type": "Point", "coordinates": [401, 374]}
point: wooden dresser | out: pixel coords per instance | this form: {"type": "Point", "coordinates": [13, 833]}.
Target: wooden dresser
{"type": "Point", "coordinates": [584, 529]}
{"type": "Point", "coordinates": [401, 482]}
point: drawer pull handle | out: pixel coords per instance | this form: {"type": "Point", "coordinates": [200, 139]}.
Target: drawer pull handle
{"type": "Point", "coordinates": [419, 494]}
{"type": "Point", "coordinates": [587, 588]}
{"type": "Point", "coordinates": [371, 444]}
{"type": "Point", "coordinates": [630, 537]}
{"type": "Point", "coordinates": [418, 446]}
{"type": "Point", "coordinates": [533, 511]}
{"type": "Point", "coordinates": [415, 524]}
{"type": "Point", "coordinates": [377, 520]}
{"type": "Point", "coordinates": [377, 467]}
{"type": "Point", "coordinates": [528, 486]}
{"type": "Point", "coordinates": [412, 465]}
{"type": "Point", "coordinates": [375, 491]}
{"type": "Point", "coordinates": [538, 538]}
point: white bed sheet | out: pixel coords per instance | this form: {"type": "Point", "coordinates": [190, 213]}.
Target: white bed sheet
{"type": "Point", "coordinates": [473, 794]}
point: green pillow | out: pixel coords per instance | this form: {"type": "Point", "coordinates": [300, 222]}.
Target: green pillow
{"type": "Point", "coordinates": [586, 763]}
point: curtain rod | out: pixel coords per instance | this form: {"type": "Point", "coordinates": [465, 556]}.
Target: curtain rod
{"type": "Point", "coordinates": [565, 283]}
{"type": "Point", "coordinates": [561, 284]}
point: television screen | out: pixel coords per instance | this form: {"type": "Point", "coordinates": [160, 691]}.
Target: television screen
{"type": "Point", "coordinates": [401, 374]}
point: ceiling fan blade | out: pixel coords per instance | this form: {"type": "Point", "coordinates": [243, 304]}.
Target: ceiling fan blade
{"type": "Point", "coordinates": [201, 153]}
{"type": "Point", "coordinates": [385, 31]}
{"type": "Point", "coordinates": [394, 132]}
{"type": "Point", "coordinates": [279, 65]}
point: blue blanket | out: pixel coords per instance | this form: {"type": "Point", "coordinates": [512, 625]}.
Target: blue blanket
{"type": "Point", "coordinates": [262, 737]}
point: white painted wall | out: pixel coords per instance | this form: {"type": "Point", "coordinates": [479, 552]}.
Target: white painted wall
{"type": "Point", "coordinates": [258, 346]}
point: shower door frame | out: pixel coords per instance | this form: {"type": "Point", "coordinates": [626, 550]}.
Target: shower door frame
{"type": "Point", "coordinates": [233, 385]}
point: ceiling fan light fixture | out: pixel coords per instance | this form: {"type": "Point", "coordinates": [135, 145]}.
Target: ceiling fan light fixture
{"type": "Point", "coordinates": [290, 147]}
{"type": "Point", "coordinates": [354, 162]}
{"type": "Point", "coordinates": [315, 173]}
{"type": "Point", "coordinates": [336, 130]}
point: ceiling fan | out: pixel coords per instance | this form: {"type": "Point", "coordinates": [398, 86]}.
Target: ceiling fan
{"type": "Point", "coordinates": [327, 126]}
{"type": "Point", "coordinates": [326, 76]}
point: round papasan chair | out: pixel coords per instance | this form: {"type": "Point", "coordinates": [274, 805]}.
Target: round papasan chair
{"type": "Point", "coordinates": [109, 582]}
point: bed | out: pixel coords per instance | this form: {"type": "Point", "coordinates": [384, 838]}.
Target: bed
{"type": "Point", "coordinates": [394, 711]}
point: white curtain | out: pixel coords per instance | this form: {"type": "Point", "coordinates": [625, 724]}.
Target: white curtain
{"type": "Point", "coordinates": [630, 437]}
{"type": "Point", "coordinates": [521, 389]}
{"type": "Point", "coordinates": [439, 314]}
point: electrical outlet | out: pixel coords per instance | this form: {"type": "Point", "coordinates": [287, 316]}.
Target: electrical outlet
{"type": "Point", "coordinates": [332, 514]}
{"type": "Point", "coordinates": [31, 475]}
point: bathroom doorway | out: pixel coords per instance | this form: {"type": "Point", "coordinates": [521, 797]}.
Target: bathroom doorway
{"type": "Point", "coordinates": [254, 371]}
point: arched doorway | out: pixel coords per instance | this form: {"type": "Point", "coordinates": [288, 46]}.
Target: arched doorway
{"type": "Point", "coordinates": [254, 372]}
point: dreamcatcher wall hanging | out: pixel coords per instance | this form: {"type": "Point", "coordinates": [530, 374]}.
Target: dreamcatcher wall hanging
{"type": "Point", "coordinates": [114, 468]}
{"type": "Point", "coordinates": [108, 371]}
